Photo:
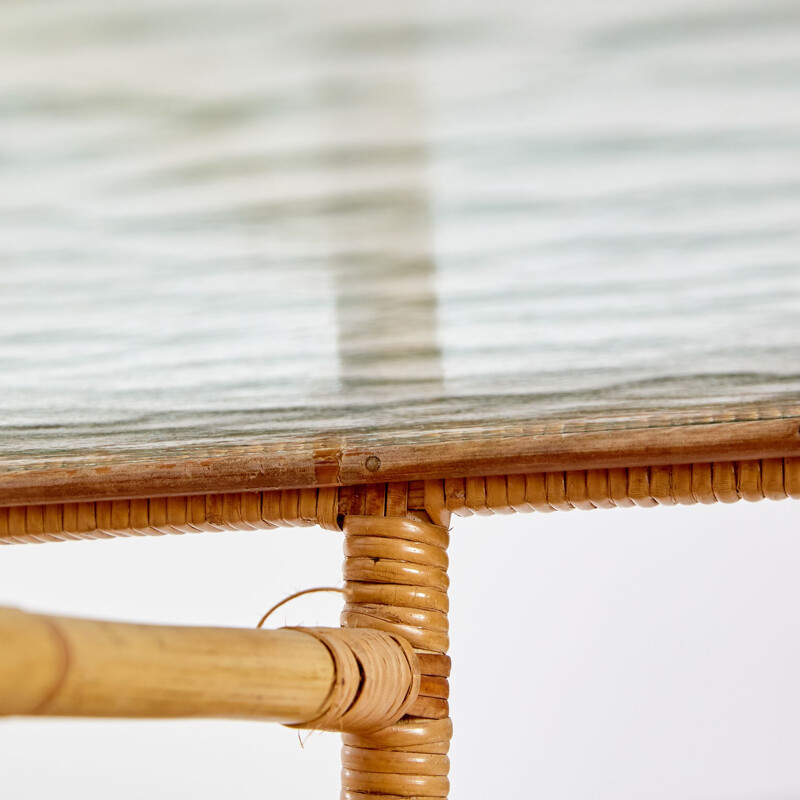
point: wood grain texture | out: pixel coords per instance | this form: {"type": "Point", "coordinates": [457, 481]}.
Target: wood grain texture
{"type": "Point", "coordinates": [251, 245]}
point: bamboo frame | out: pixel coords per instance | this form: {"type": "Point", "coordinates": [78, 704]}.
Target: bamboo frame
{"type": "Point", "coordinates": [396, 580]}
{"type": "Point", "coordinates": [396, 586]}
{"type": "Point", "coordinates": [310, 678]}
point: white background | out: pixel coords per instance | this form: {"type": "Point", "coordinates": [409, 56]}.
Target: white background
{"type": "Point", "coordinates": [619, 654]}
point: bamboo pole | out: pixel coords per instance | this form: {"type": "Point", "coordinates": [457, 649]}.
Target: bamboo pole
{"type": "Point", "coordinates": [57, 666]}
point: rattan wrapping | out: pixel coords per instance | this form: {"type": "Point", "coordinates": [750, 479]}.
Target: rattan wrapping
{"type": "Point", "coordinates": [377, 680]}
{"type": "Point", "coordinates": [679, 484]}
{"type": "Point", "coordinates": [158, 516]}
{"type": "Point", "coordinates": [396, 581]}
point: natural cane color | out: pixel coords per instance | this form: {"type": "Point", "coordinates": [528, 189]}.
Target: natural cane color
{"type": "Point", "coordinates": [377, 680]}
{"type": "Point", "coordinates": [320, 678]}
{"type": "Point", "coordinates": [585, 489]}
{"type": "Point", "coordinates": [396, 581]}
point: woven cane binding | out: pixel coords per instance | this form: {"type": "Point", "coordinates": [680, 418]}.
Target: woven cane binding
{"type": "Point", "coordinates": [396, 581]}
{"type": "Point", "coordinates": [377, 680]}
{"type": "Point", "coordinates": [679, 484]}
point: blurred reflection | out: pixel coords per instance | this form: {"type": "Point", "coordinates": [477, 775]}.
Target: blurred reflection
{"type": "Point", "coordinates": [377, 213]}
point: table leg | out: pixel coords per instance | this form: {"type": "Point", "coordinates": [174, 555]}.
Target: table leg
{"type": "Point", "coordinates": [396, 580]}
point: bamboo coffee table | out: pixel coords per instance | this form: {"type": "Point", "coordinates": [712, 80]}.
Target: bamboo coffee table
{"type": "Point", "coordinates": [369, 268]}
